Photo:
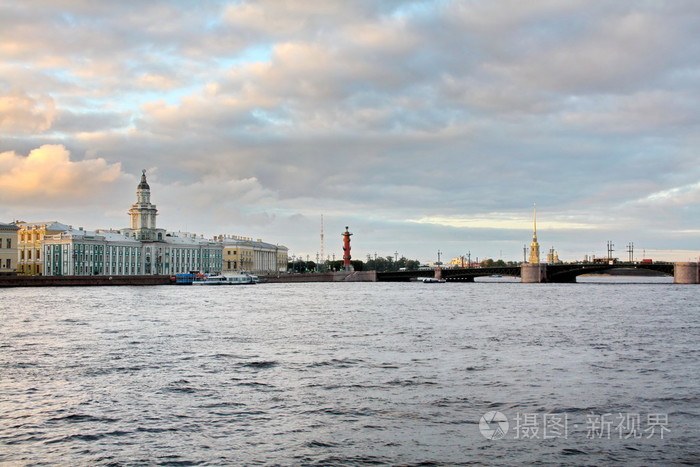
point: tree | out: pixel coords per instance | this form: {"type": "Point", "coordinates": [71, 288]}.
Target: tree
{"type": "Point", "coordinates": [412, 264]}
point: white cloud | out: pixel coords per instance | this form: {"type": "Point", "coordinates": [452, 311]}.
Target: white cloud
{"type": "Point", "coordinates": [23, 113]}
{"type": "Point", "coordinates": [677, 196]}
{"type": "Point", "coordinates": [501, 221]}
{"type": "Point", "coordinates": [47, 175]}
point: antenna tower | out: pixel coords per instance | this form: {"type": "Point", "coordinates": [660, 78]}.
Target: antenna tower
{"type": "Point", "coordinates": [322, 255]}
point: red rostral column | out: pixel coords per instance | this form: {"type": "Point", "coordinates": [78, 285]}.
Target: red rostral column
{"type": "Point", "coordinates": [346, 250]}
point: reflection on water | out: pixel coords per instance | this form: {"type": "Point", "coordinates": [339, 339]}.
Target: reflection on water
{"type": "Point", "coordinates": [351, 373]}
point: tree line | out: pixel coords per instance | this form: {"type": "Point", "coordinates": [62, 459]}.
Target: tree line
{"type": "Point", "coordinates": [379, 264]}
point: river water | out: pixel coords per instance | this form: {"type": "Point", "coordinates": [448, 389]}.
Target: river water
{"type": "Point", "coordinates": [603, 372]}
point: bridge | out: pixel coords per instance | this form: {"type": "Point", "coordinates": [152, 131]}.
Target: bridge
{"type": "Point", "coordinates": [683, 273]}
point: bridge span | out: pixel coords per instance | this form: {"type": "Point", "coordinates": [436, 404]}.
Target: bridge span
{"type": "Point", "coordinates": [683, 273]}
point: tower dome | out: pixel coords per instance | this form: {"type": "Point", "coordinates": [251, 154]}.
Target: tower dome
{"type": "Point", "coordinates": [144, 184]}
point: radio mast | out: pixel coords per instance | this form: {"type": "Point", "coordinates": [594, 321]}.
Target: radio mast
{"type": "Point", "coordinates": [322, 254]}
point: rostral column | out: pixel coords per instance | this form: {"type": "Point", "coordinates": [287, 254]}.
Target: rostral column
{"type": "Point", "coordinates": [346, 250]}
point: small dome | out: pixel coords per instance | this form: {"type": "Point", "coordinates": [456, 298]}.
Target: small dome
{"type": "Point", "coordinates": [144, 184]}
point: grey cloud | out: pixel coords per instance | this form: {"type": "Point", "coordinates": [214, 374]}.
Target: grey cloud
{"type": "Point", "coordinates": [376, 112]}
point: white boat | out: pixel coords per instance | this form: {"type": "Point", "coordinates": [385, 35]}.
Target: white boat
{"type": "Point", "coordinates": [243, 278]}
{"type": "Point", "coordinates": [231, 279]}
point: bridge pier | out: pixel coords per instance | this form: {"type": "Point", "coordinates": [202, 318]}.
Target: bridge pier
{"type": "Point", "coordinates": [531, 273]}
{"type": "Point", "coordinates": [686, 273]}
{"type": "Point", "coordinates": [438, 273]}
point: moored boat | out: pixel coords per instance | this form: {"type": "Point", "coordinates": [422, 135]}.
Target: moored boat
{"type": "Point", "coordinates": [227, 279]}
{"type": "Point", "coordinates": [211, 280]}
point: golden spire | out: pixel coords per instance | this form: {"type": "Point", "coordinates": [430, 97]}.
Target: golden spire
{"type": "Point", "coordinates": [534, 246]}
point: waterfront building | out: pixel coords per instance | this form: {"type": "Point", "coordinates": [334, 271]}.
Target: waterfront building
{"type": "Point", "coordinates": [141, 249]}
{"type": "Point", "coordinates": [8, 248]}
{"type": "Point", "coordinates": [256, 256]}
{"type": "Point", "coordinates": [168, 252]}
{"type": "Point", "coordinates": [29, 244]}
{"type": "Point", "coordinates": [182, 252]}
{"type": "Point", "coordinates": [83, 253]}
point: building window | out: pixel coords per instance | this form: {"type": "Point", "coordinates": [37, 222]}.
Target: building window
{"type": "Point", "coordinates": [9, 243]}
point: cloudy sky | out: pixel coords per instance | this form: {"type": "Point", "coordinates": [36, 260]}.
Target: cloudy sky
{"type": "Point", "coordinates": [423, 125]}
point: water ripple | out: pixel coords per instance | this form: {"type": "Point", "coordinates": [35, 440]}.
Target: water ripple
{"type": "Point", "coordinates": [345, 374]}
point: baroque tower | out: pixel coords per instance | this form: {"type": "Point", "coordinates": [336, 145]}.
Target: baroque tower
{"type": "Point", "coordinates": [534, 246]}
{"type": "Point", "coordinates": [143, 213]}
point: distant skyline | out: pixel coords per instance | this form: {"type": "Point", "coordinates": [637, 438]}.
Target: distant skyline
{"type": "Point", "coordinates": [421, 125]}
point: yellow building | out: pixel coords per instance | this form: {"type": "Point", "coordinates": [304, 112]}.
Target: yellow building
{"type": "Point", "coordinates": [245, 254]}
{"type": "Point", "coordinates": [30, 235]}
{"type": "Point", "coordinates": [8, 248]}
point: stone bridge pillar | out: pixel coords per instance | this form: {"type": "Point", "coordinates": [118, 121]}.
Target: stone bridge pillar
{"type": "Point", "coordinates": [686, 273]}
{"type": "Point", "coordinates": [438, 273]}
{"type": "Point", "coordinates": [533, 273]}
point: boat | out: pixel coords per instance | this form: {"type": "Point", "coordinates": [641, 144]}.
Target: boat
{"type": "Point", "coordinates": [243, 278]}
{"type": "Point", "coordinates": [432, 280]}
{"type": "Point", "coordinates": [211, 280]}
{"type": "Point", "coordinates": [227, 279]}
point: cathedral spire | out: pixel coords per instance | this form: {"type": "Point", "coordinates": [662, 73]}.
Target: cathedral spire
{"type": "Point", "coordinates": [534, 222]}
{"type": "Point", "coordinates": [534, 246]}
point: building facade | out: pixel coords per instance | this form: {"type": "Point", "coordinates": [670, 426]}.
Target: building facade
{"type": "Point", "coordinates": [82, 253]}
{"type": "Point", "coordinates": [255, 256]}
{"type": "Point", "coordinates": [142, 249]}
{"type": "Point", "coordinates": [179, 253]}
{"type": "Point", "coordinates": [30, 236]}
{"type": "Point", "coordinates": [8, 248]}
{"type": "Point", "coordinates": [168, 252]}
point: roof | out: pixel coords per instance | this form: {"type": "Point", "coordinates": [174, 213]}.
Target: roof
{"type": "Point", "coordinates": [4, 226]}
{"type": "Point", "coordinates": [49, 225]}
{"type": "Point", "coordinates": [110, 237]}
{"type": "Point", "coordinates": [252, 243]}
{"type": "Point", "coordinates": [174, 239]}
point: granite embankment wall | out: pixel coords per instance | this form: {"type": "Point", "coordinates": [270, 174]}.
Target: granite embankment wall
{"type": "Point", "coordinates": [341, 276]}
{"type": "Point", "coordinates": [80, 281]}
